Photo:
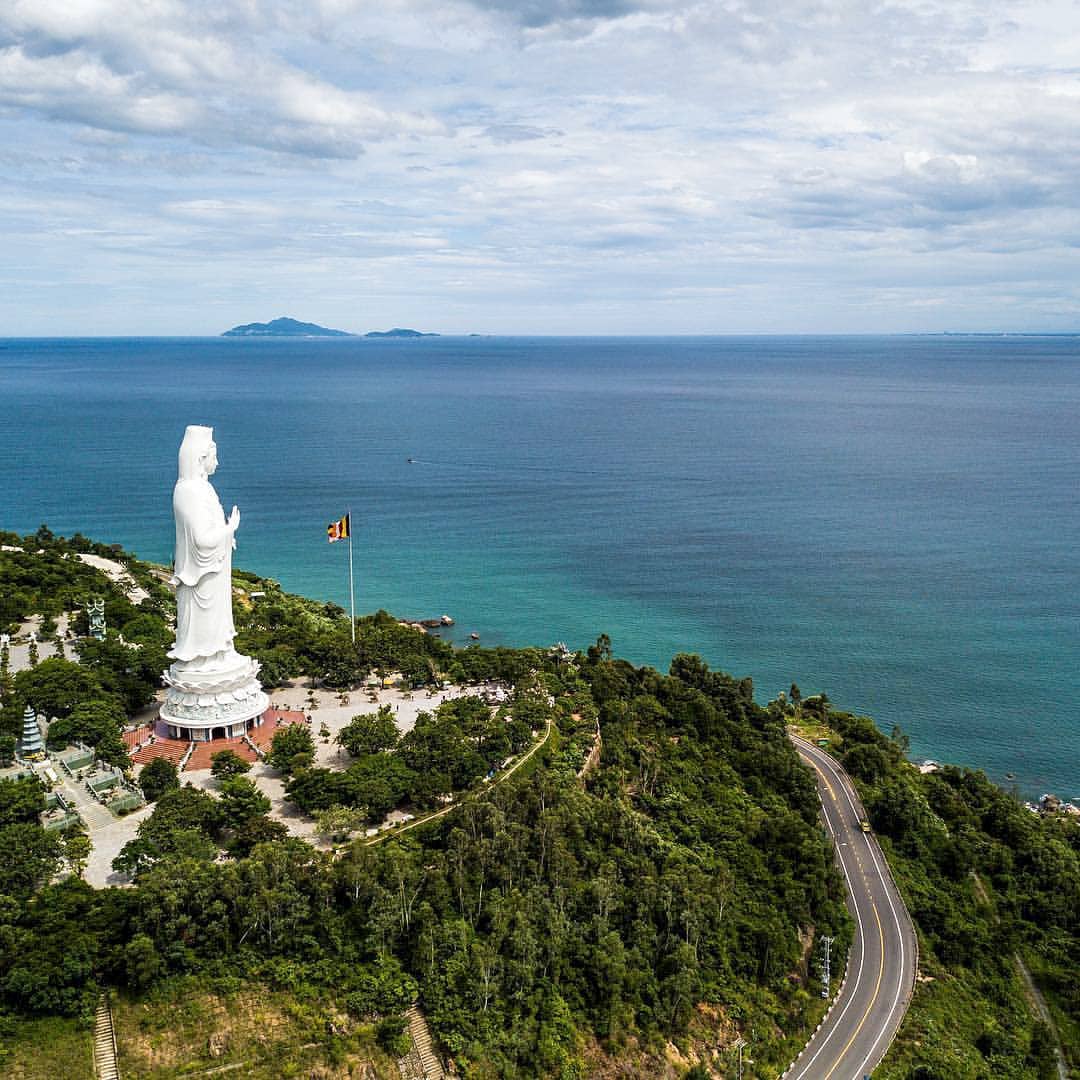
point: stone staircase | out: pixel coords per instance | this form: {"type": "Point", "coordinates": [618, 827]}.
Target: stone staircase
{"type": "Point", "coordinates": [105, 1067]}
{"type": "Point", "coordinates": [423, 1048]}
{"type": "Point", "coordinates": [171, 749]}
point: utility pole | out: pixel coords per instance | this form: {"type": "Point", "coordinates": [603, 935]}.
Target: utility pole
{"type": "Point", "coordinates": [826, 970]}
{"type": "Point", "coordinates": [740, 1042]}
{"type": "Point", "coordinates": [352, 591]}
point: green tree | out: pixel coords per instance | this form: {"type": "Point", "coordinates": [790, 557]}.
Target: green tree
{"type": "Point", "coordinates": [378, 782]}
{"type": "Point", "coordinates": [370, 733]}
{"type": "Point", "coordinates": [337, 823]}
{"type": "Point", "coordinates": [157, 777]}
{"type": "Point", "coordinates": [865, 762]}
{"type": "Point", "coordinates": [185, 823]}
{"type": "Point", "coordinates": [55, 687]}
{"type": "Point", "coordinates": [289, 744]}
{"type": "Point", "coordinates": [77, 848]}
{"type": "Point", "coordinates": [226, 763]}
{"type": "Point", "coordinates": [147, 629]}
{"type": "Point", "coordinates": [442, 749]}
{"type": "Point", "coordinates": [141, 961]}
{"type": "Point", "coordinates": [136, 856]}
{"type": "Point", "coordinates": [240, 801]}
{"type": "Point", "coordinates": [29, 856]}
{"type": "Point", "coordinates": [393, 1035]}
{"type": "Point", "coordinates": [21, 800]}
{"type": "Point", "coordinates": [252, 831]}
{"type": "Point", "coordinates": [133, 674]}
{"type": "Point", "coordinates": [98, 723]}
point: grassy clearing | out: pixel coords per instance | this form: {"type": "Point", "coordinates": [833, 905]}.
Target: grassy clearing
{"type": "Point", "coordinates": [184, 1029]}
{"type": "Point", "coordinates": [812, 731]}
{"type": "Point", "coordinates": [46, 1049]}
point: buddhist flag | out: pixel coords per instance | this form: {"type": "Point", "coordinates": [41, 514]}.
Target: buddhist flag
{"type": "Point", "coordinates": [338, 530]}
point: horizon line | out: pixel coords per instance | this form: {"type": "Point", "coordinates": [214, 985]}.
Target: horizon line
{"type": "Point", "coordinates": [362, 336]}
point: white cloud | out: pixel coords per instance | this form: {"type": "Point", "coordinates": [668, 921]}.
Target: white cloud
{"type": "Point", "coordinates": [210, 73]}
{"type": "Point", "coordinates": [685, 165]}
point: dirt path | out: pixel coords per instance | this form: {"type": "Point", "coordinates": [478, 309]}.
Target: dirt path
{"type": "Point", "coordinates": [476, 794]}
{"type": "Point", "coordinates": [1036, 1002]}
{"type": "Point", "coordinates": [1039, 1009]}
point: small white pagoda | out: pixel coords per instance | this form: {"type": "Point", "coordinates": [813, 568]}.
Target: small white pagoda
{"type": "Point", "coordinates": [31, 745]}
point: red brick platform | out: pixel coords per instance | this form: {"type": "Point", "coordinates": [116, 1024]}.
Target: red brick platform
{"type": "Point", "coordinates": [203, 753]}
{"type": "Point", "coordinates": [174, 749]}
{"type": "Point", "coordinates": [273, 721]}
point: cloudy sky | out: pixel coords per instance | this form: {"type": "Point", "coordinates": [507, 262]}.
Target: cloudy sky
{"type": "Point", "coordinates": [539, 166]}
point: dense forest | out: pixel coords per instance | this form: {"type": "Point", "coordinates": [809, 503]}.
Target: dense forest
{"type": "Point", "coordinates": [645, 911]}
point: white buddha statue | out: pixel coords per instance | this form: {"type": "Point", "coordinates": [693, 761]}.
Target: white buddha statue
{"type": "Point", "coordinates": [202, 569]}
{"type": "Point", "coordinates": [212, 690]}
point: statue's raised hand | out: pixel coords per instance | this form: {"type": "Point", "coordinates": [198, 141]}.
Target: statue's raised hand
{"type": "Point", "coordinates": [234, 519]}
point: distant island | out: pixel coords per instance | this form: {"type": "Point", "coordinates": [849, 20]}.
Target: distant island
{"type": "Point", "coordinates": [398, 331]}
{"type": "Point", "coordinates": [284, 328]}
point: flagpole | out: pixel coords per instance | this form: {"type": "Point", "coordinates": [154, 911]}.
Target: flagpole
{"type": "Point", "coordinates": [352, 594]}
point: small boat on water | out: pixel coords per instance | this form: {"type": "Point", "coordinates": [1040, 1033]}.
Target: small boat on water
{"type": "Point", "coordinates": [475, 636]}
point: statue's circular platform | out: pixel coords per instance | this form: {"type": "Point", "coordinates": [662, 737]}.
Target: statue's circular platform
{"type": "Point", "coordinates": [216, 699]}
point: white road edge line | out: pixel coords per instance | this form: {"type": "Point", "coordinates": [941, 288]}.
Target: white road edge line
{"type": "Point", "coordinates": [892, 907]}
{"type": "Point", "coordinates": [858, 977]}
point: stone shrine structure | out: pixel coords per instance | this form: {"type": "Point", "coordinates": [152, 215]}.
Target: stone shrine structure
{"type": "Point", "coordinates": [213, 691]}
{"type": "Point", "coordinates": [95, 611]}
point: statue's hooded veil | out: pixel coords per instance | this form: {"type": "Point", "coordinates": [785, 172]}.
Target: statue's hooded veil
{"type": "Point", "coordinates": [197, 512]}
{"type": "Point", "coordinates": [197, 440]}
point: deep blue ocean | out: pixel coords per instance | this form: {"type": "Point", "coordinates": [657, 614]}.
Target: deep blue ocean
{"type": "Point", "coordinates": [891, 520]}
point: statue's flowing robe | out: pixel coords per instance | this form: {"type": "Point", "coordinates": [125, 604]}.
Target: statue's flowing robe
{"type": "Point", "coordinates": [202, 572]}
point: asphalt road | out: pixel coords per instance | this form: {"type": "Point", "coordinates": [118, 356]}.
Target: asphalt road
{"type": "Point", "coordinates": [881, 965]}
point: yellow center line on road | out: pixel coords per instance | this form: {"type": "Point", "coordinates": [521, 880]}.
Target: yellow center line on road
{"type": "Point", "coordinates": [825, 781]}
{"type": "Point", "coordinates": [853, 990]}
{"type": "Point", "coordinates": [881, 933]}
{"type": "Point", "coordinates": [821, 762]}
{"type": "Point", "coordinates": [873, 998]}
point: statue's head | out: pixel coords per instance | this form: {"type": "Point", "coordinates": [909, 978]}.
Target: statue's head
{"type": "Point", "coordinates": [198, 453]}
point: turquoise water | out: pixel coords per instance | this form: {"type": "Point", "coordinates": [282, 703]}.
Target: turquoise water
{"type": "Point", "coordinates": [891, 520]}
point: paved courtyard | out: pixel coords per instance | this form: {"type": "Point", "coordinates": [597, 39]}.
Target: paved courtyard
{"type": "Point", "coordinates": [107, 840]}
{"type": "Point", "coordinates": [330, 711]}
{"type": "Point", "coordinates": [109, 836]}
